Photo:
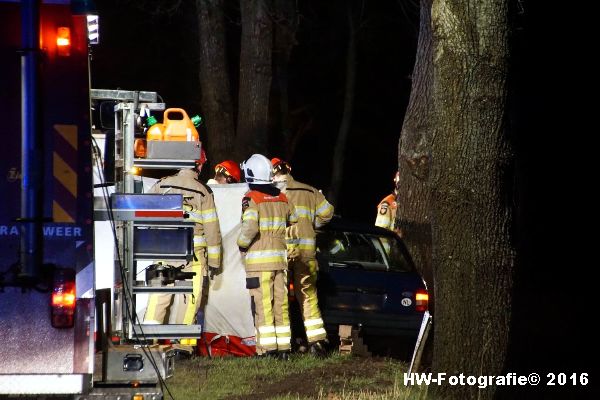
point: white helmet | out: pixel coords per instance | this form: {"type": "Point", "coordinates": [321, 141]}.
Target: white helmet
{"type": "Point", "coordinates": [258, 170]}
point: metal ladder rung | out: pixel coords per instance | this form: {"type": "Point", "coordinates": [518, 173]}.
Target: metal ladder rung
{"type": "Point", "coordinates": [170, 331]}
{"type": "Point", "coordinates": [162, 289]}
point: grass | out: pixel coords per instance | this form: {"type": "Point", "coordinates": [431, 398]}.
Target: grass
{"type": "Point", "coordinates": [338, 377]}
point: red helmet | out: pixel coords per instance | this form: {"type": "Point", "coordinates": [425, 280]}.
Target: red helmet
{"type": "Point", "coordinates": [202, 158]}
{"type": "Point", "coordinates": [229, 168]}
{"type": "Point", "coordinates": [280, 166]}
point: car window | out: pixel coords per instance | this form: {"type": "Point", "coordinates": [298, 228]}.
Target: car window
{"type": "Point", "coordinates": [355, 249]}
{"type": "Point", "coordinates": [395, 254]}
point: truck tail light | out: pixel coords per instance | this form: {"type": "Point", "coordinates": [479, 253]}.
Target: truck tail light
{"type": "Point", "coordinates": [63, 41]}
{"type": "Point", "coordinates": [63, 302]}
{"type": "Point", "coordinates": [421, 300]}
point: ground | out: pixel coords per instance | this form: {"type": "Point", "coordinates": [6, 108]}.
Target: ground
{"type": "Point", "coordinates": [303, 377]}
{"type": "Point", "coordinates": [325, 379]}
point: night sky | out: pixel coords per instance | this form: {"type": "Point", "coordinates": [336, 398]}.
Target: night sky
{"type": "Point", "coordinates": [551, 330]}
{"type": "Point", "coordinates": [158, 53]}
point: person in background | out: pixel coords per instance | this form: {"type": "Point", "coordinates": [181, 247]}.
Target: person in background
{"type": "Point", "coordinates": [314, 211]}
{"type": "Point", "coordinates": [266, 214]}
{"type": "Point", "coordinates": [226, 172]}
{"type": "Point", "coordinates": [198, 202]}
{"type": "Point", "coordinates": [386, 213]}
{"type": "Point", "coordinates": [386, 209]}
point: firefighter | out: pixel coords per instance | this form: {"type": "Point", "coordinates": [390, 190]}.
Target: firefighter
{"type": "Point", "coordinates": [200, 206]}
{"type": "Point", "coordinates": [226, 172]}
{"type": "Point", "coordinates": [386, 214]}
{"type": "Point", "coordinates": [313, 211]}
{"type": "Point", "coordinates": [266, 214]}
{"type": "Point", "coordinates": [386, 210]}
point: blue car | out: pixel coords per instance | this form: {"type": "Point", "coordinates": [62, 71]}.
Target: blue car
{"type": "Point", "coordinates": [367, 280]}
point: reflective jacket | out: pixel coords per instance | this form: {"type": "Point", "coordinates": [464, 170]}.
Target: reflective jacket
{"type": "Point", "coordinates": [264, 221]}
{"type": "Point", "coordinates": [386, 212]}
{"type": "Point", "coordinates": [313, 212]}
{"type": "Point", "coordinates": [199, 203]}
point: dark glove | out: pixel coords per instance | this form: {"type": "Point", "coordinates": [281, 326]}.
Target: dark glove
{"type": "Point", "coordinates": [213, 271]}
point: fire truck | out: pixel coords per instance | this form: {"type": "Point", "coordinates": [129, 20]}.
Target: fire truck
{"type": "Point", "coordinates": [62, 335]}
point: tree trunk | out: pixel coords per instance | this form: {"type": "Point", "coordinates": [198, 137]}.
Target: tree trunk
{"type": "Point", "coordinates": [471, 185]}
{"type": "Point", "coordinates": [414, 153]}
{"type": "Point", "coordinates": [255, 79]}
{"type": "Point", "coordinates": [285, 27]}
{"type": "Point", "coordinates": [217, 103]}
{"type": "Point", "coordinates": [340, 143]}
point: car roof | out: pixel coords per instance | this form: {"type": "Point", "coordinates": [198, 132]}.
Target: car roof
{"type": "Point", "coordinates": [342, 224]}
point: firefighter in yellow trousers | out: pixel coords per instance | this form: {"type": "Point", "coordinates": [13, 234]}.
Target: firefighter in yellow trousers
{"type": "Point", "coordinates": [198, 202]}
{"type": "Point", "coordinates": [265, 217]}
{"type": "Point", "coordinates": [313, 211]}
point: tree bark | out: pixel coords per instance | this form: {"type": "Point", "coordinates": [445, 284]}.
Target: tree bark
{"type": "Point", "coordinates": [340, 143]}
{"type": "Point", "coordinates": [285, 27]}
{"type": "Point", "coordinates": [255, 79]}
{"type": "Point", "coordinates": [217, 102]}
{"type": "Point", "coordinates": [414, 152]}
{"type": "Point", "coordinates": [471, 184]}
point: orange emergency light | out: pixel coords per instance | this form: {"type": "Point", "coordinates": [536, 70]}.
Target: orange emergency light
{"type": "Point", "coordinates": [63, 299]}
{"type": "Point", "coordinates": [63, 41]}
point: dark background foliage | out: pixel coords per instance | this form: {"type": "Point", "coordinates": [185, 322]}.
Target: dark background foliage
{"type": "Point", "coordinates": [145, 47]}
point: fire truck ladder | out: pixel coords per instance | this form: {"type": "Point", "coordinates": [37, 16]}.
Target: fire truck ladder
{"type": "Point", "coordinates": [150, 227]}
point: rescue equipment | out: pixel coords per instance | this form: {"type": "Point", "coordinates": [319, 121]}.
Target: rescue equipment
{"type": "Point", "coordinates": [162, 274]}
{"type": "Point", "coordinates": [155, 129]}
{"type": "Point", "coordinates": [168, 139]}
{"type": "Point", "coordinates": [181, 130]}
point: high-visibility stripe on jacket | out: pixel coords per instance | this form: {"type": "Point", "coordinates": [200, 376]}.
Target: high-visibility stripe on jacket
{"type": "Point", "coordinates": [386, 212]}
{"type": "Point", "coordinates": [264, 221]}
{"type": "Point", "coordinates": [199, 204]}
{"type": "Point", "coordinates": [313, 211]}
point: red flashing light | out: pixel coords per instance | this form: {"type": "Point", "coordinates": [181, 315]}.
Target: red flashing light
{"type": "Point", "coordinates": [63, 41]}
{"type": "Point", "coordinates": [421, 300]}
{"type": "Point", "coordinates": [63, 301]}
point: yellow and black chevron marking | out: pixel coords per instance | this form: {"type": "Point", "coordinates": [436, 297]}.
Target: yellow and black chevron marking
{"type": "Point", "coordinates": [64, 168]}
